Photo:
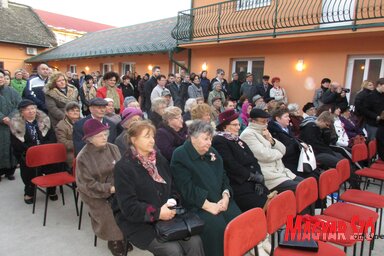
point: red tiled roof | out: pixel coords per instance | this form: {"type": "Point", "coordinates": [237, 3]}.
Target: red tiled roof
{"type": "Point", "coordinates": [70, 23]}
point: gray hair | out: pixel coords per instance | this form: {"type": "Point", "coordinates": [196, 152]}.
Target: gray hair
{"type": "Point", "coordinates": [293, 107]}
{"type": "Point", "coordinates": [171, 112]}
{"type": "Point", "coordinates": [198, 127]}
{"type": "Point", "coordinates": [261, 105]}
{"type": "Point", "coordinates": [71, 105]}
{"type": "Point", "coordinates": [189, 104]}
{"type": "Point", "coordinates": [156, 103]}
{"type": "Point", "coordinates": [128, 100]}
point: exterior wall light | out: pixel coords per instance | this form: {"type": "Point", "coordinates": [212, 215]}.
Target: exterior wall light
{"type": "Point", "coordinates": [204, 66]}
{"type": "Point", "coordinates": [150, 67]}
{"type": "Point", "coordinates": [300, 65]}
{"type": "Point", "coordinates": [87, 69]}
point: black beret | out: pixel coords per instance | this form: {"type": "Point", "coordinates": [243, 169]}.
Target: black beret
{"type": "Point", "coordinates": [258, 113]}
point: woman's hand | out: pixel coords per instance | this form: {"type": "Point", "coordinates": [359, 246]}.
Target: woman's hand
{"type": "Point", "coordinates": [223, 203]}
{"type": "Point", "coordinates": [112, 190]}
{"type": "Point", "coordinates": [166, 213]}
{"type": "Point", "coordinates": [213, 208]}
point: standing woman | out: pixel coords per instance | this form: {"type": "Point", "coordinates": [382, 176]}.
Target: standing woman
{"type": "Point", "coordinates": [29, 128]}
{"type": "Point", "coordinates": [9, 99]}
{"type": "Point", "coordinates": [143, 187]}
{"type": "Point", "coordinates": [58, 92]}
{"type": "Point", "coordinates": [111, 91]}
{"type": "Point", "coordinates": [87, 92]}
{"type": "Point", "coordinates": [195, 90]}
{"type": "Point", "coordinates": [200, 177]}
{"type": "Point", "coordinates": [18, 83]}
{"type": "Point", "coordinates": [277, 92]}
{"type": "Point", "coordinates": [95, 182]}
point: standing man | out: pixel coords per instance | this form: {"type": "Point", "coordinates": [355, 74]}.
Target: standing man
{"type": "Point", "coordinates": [234, 88]}
{"type": "Point", "coordinates": [179, 92]}
{"type": "Point", "coordinates": [220, 77]}
{"type": "Point", "coordinates": [317, 98]}
{"type": "Point", "coordinates": [335, 95]}
{"type": "Point", "coordinates": [35, 85]}
{"type": "Point", "coordinates": [160, 87]}
{"type": "Point", "coordinates": [263, 88]}
{"type": "Point", "coordinates": [247, 87]}
{"type": "Point", "coordinates": [148, 87]}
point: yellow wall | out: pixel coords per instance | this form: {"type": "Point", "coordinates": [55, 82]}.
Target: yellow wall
{"type": "Point", "coordinates": [13, 56]}
{"type": "Point", "coordinates": [323, 57]}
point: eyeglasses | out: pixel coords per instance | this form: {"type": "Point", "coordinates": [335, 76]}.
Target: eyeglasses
{"type": "Point", "coordinates": [237, 124]}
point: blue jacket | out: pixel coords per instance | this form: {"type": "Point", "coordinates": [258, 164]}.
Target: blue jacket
{"type": "Point", "coordinates": [34, 90]}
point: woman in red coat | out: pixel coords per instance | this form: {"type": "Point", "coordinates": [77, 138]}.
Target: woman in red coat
{"type": "Point", "coordinates": [110, 90]}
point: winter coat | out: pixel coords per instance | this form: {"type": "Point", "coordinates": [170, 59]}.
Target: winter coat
{"type": "Point", "coordinates": [269, 157]}
{"type": "Point", "coordinates": [334, 98]}
{"type": "Point", "coordinates": [94, 179]}
{"type": "Point", "coordinates": [34, 91]}
{"type": "Point", "coordinates": [18, 85]}
{"type": "Point", "coordinates": [194, 91]}
{"type": "Point", "coordinates": [279, 94]}
{"type": "Point", "coordinates": [351, 128]}
{"type": "Point", "coordinates": [139, 198]}
{"type": "Point", "coordinates": [55, 100]}
{"type": "Point", "coordinates": [373, 107]}
{"type": "Point", "coordinates": [380, 141]}
{"type": "Point", "coordinates": [64, 135]}
{"type": "Point", "coordinates": [102, 93]}
{"type": "Point", "coordinates": [206, 85]}
{"type": "Point", "coordinates": [199, 178]}
{"type": "Point", "coordinates": [167, 139]}
{"type": "Point", "coordinates": [9, 99]}
{"type": "Point", "coordinates": [317, 98]}
{"type": "Point", "coordinates": [148, 87]}
{"type": "Point", "coordinates": [319, 139]}
{"type": "Point", "coordinates": [179, 94]}
{"type": "Point", "coordinates": [127, 90]}
{"type": "Point", "coordinates": [213, 94]}
{"type": "Point", "coordinates": [360, 99]}
{"type": "Point", "coordinates": [246, 89]}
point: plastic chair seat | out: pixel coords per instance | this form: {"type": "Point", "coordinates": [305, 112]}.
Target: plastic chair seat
{"type": "Point", "coordinates": [346, 211]}
{"type": "Point", "coordinates": [324, 249]}
{"type": "Point", "coordinates": [53, 180]}
{"type": "Point", "coordinates": [371, 173]}
{"type": "Point", "coordinates": [363, 197]}
{"type": "Point", "coordinates": [378, 166]}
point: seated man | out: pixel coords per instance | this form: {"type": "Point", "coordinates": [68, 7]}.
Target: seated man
{"type": "Point", "coordinates": [269, 152]}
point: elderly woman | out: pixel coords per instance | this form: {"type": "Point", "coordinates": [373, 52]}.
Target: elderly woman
{"type": "Point", "coordinates": [171, 133]}
{"type": "Point", "coordinates": [189, 104]}
{"type": "Point", "coordinates": [95, 183]}
{"type": "Point", "coordinates": [131, 102]}
{"type": "Point", "coordinates": [200, 177]}
{"type": "Point", "coordinates": [157, 110]}
{"type": "Point", "coordinates": [110, 112]}
{"type": "Point", "coordinates": [130, 115]}
{"type": "Point", "coordinates": [269, 152]}
{"type": "Point", "coordinates": [18, 83]}
{"type": "Point", "coordinates": [9, 99]}
{"type": "Point", "coordinates": [216, 108]}
{"type": "Point", "coordinates": [296, 118]}
{"type": "Point", "coordinates": [87, 92]}
{"type": "Point", "coordinates": [29, 128]}
{"type": "Point", "coordinates": [110, 90]}
{"type": "Point", "coordinates": [277, 92]}
{"type": "Point", "coordinates": [143, 188]}
{"type": "Point", "coordinates": [58, 92]}
{"type": "Point", "coordinates": [216, 93]}
{"type": "Point", "coordinates": [64, 130]}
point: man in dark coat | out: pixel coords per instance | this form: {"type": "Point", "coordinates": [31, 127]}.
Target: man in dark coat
{"type": "Point", "coordinates": [263, 88]}
{"type": "Point", "coordinates": [335, 95]}
{"type": "Point", "coordinates": [148, 87]}
{"type": "Point", "coordinates": [35, 85]}
{"type": "Point", "coordinates": [97, 106]}
{"type": "Point", "coordinates": [234, 87]}
{"type": "Point", "coordinates": [179, 92]}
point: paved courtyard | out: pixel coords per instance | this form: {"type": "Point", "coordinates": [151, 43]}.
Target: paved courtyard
{"type": "Point", "coordinates": [22, 233]}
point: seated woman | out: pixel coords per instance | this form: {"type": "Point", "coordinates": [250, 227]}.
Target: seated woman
{"type": "Point", "coordinates": [95, 183]}
{"type": "Point", "coordinates": [29, 128]}
{"type": "Point", "coordinates": [295, 118]}
{"type": "Point", "coordinates": [171, 133]}
{"type": "Point", "coordinates": [269, 152]}
{"type": "Point", "coordinates": [200, 177]}
{"type": "Point", "coordinates": [64, 130]}
{"type": "Point", "coordinates": [189, 104]}
{"type": "Point", "coordinates": [110, 112]}
{"type": "Point", "coordinates": [342, 137]}
{"type": "Point", "coordinates": [202, 112]}
{"type": "Point", "coordinates": [157, 110]}
{"type": "Point", "coordinates": [350, 125]}
{"type": "Point", "coordinates": [143, 186]}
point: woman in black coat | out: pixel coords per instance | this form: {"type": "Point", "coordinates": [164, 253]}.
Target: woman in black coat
{"type": "Point", "coordinates": [242, 168]}
{"type": "Point", "coordinates": [144, 193]}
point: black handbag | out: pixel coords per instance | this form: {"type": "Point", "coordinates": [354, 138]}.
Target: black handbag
{"type": "Point", "coordinates": [303, 244]}
{"type": "Point", "coordinates": [181, 227]}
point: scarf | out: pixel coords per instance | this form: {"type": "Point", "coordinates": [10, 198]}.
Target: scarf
{"type": "Point", "coordinates": [149, 164]}
{"type": "Point", "coordinates": [112, 93]}
{"type": "Point", "coordinates": [31, 129]}
{"type": "Point", "coordinates": [229, 136]}
{"type": "Point", "coordinates": [89, 92]}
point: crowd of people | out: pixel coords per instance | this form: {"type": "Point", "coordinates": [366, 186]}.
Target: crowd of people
{"type": "Point", "coordinates": [215, 148]}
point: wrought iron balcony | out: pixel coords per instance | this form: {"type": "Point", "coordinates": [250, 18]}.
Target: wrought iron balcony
{"type": "Point", "coordinates": [236, 19]}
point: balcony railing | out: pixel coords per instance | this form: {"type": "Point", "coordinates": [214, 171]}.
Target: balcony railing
{"type": "Point", "coordinates": [241, 18]}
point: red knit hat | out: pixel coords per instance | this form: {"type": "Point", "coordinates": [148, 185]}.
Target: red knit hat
{"type": "Point", "coordinates": [92, 127]}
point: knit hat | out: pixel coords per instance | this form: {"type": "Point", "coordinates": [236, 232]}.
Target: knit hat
{"type": "Point", "coordinates": [128, 100]}
{"type": "Point", "coordinates": [92, 127]}
{"type": "Point", "coordinates": [128, 113]}
{"type": "Point", "coordinates": [308, 106]}
{"type": "Point", "coordinates": [226, 118]}
{"type": "Point", "coordinates": [258, 113]}
{"type": "Point", "coordinates": [25, 103]}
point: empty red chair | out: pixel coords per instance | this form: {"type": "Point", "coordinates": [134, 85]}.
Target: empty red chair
{"type": "Point", "coordinates": [245, 232]}
{"type": "Point", "coordinates": [372, 154]}
{"type": "Point", "coordinates": [278, 210]}
{"type": "Point", "coordinates": [47, 154]}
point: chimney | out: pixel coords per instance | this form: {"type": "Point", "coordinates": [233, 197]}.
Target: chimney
{"type": "Point", "coordinates": [4, 3]}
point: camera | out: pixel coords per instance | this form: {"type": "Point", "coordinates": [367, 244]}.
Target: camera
{"type": "Point", "coordinates": [346, 90]}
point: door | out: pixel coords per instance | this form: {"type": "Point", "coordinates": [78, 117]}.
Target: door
{"type": "Point", "coordinates": [254, 66]}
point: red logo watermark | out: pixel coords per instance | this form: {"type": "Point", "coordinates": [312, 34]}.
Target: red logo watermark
{"type": "Point", "coordinates": [308, 227]}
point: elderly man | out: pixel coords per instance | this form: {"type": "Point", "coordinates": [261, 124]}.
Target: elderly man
{"type": "Point", "coordinates": [335, 95]}
{"type": "Point", "coordinates": [246, 87]}
{"type": "Point", "coordinates": [98, 107]}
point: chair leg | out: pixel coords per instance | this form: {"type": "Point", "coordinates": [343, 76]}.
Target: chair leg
{"type": "Point", "coordinates": [75, 197]}
{"type": "Point", "coordinates": [381, 186]}
{"type": "Point", "coordinates": [46, 206]}
{"type": "Point", "coordinates": [354, 249]}
{"type": "Point", "coordinates": [34, 199]}
{"type": "Point", "coordinates": [80, 215]}
{"type": "Point", "coordinates": [362, 248]}
{"type": "Point", "coordinates": [256, 251]}
{"type": "Point", "coordinates": [95, 241]}
{"type": "Point", "coordinates": [381, 219]}
{"type": "Point", "coordinates": [62, 194]}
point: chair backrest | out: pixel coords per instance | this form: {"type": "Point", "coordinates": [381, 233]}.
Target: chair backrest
{"type": "Point", "coordinates": [306, 193]}
{"type": "Point", "coordinates": [244, 232]}
{"type": "Point", "coordinates": [46, 154]}
{"type": "Point", "coordinates": [278, 209]}
{"type": "Point", "coordinates": [328, 183]}
{"type": "Point", "coordinates": [372, 149]}
{"type": "Point", "coordinates": [343, 168]}
{"type": "Point", "coordinates": [359, 152]}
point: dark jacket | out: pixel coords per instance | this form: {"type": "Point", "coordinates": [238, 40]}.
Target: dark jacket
{"type": "Point", "coordinates": [360, 100]}
{"type": "Point", "coordinates": [292, 153]}
{"type": "Point", "coordinates": [179, 94]}
{"type": "Point", "coordinates": [34, 90]}
{"type": "Point", "coordinates": [373, 107]}
{"type": "Point", "coordinates": [78, 133]}
{"type": "Point", "coordinates": [206, 86]}
{"type": "Point", "coordinates": [148, 87]}
{"type": "Point", "coordinates": [319, 139]}
{"type": "Point", "coordinates": [334, 98]}
{"type": "Point", "coordinates": [380, 141]}
{"type": "Point", "coordinates": [156, 119]}
{"type": "Point", "coordinates": [167, 139]}
{"type": "Point", "coordinates": [259, 89]}
{"type": "Point", "coordinates": [138, 199]}
{"type": "Point", "coordinates": [127, 90]}
{"type": "Point", "coordinates": [234, 89]}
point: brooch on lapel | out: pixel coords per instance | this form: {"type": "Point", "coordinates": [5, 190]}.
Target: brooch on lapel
{"type": "Point", "coordinates": [213, 157]}
{"type": "Point", "coordinates": [240, 144]}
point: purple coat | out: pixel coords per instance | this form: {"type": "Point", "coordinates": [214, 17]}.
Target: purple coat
{"type": "Point", "coordinates": [351, 128]}
{"type": "Point", "coordinates": [167, 139]}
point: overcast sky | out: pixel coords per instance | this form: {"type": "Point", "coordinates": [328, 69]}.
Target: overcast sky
{"type": "Point", "coordinates": [117, 13]}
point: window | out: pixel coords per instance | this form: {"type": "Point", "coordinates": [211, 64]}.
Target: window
{"type": "Point", "coordinates": [362, 68]}
{"type": "Point", "coordinates": [127, 66]}
{"type": "Point", "coordinates": [107, 67]}
{"type": "Point", "coordinates": [254, 66]}
{"type": "Point", "coordinates": [251, 4]}
{"type": "Point", "coordinates": [72, 68]}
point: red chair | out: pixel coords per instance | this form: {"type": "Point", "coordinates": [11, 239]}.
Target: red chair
{"type": "Point", "coordinates": [278, 210]}
{"type": "Point", "coordinates": [47, 154]}
{"type": "Point", "coordinates": [372, 154]}
{"type": "Point", "coordinates": [306, 195]}
{"type": "Point", "coordinates": [245, 232]}
{"type": "Point", "coordinates": [360, 153]}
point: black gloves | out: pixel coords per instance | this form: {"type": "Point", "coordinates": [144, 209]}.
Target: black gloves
{"type": "Point", "coordinates": [256, 177]}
